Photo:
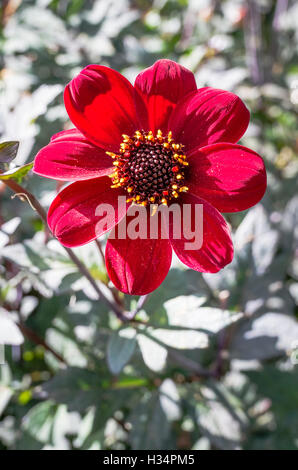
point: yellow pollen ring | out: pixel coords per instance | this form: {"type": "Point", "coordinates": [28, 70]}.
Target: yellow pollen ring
{"type": "Point", "coordinates": [132, 181]}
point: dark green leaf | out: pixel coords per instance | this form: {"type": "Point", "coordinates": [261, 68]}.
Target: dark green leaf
{"type": "Point", "coordinates": [120, 349]}
{"type": "Point", "coordinates": [150, 426]}
{"type": "Point", "coordinates": [8, 151]}
{"type": "Point", "coordinates": [77, 388]}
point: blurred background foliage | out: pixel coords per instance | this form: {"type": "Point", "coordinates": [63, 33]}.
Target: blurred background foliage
{"type": "Point", "coordinates": [212, 362]}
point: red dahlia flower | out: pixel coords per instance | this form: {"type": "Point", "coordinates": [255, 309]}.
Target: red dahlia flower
{"type": "Point", "coordinates": [157, 142]}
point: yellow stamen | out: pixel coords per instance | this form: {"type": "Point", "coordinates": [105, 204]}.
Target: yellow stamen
{"type": "Point", "coordinates": [176, 146]}
{"type": "Point", "coordinates": [124, 146]}
{"type": "Point", "coordinates": [150, 136]}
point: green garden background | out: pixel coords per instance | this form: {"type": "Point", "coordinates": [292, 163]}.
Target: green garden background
{"type": "Point", "coordinates": [211, 360]}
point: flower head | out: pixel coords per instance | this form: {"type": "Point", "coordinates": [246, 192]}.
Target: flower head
{"type": "Point", "coordinates": [159, 142]}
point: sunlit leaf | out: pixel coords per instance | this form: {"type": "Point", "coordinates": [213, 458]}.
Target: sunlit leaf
{"type": "Point", "coordinates": [154, 354]}
{"type": "Point", "coordinates": [9, 331]}
{"type": "Point", "coordinates": [17, 174]}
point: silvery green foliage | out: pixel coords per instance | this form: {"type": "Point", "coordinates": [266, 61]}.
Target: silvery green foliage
{"type": "Point", "coordinates": [212, 362]}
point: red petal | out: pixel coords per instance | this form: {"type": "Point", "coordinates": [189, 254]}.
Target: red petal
{"type": "Point", "coordinates": [217, 248]}
{"type": "Point", "coordinates": [73, 216]}
{"type": "Point", "coordinates": [231, 177]}
{"type": "Point", "coordinates": [209, 116]}
{"type": "Point", "coordinates": [139, 266]}
{"type": "Point", "coordinates": [162, 86]}
{"type": "Point", "coordinates": [102, 104]}
{"type": "Point", "coordinates": [71, 157]}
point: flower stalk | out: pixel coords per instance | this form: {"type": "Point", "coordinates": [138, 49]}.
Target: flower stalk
{"type": "Point", "coordinates": [24, 194]}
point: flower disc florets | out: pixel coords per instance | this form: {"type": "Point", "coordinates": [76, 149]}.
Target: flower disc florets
{"type": "Point", "coordinates": [151, 168]}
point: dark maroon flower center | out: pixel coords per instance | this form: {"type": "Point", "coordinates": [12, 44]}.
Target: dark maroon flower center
{"type": "Point", "coordinates": [150, 168]}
